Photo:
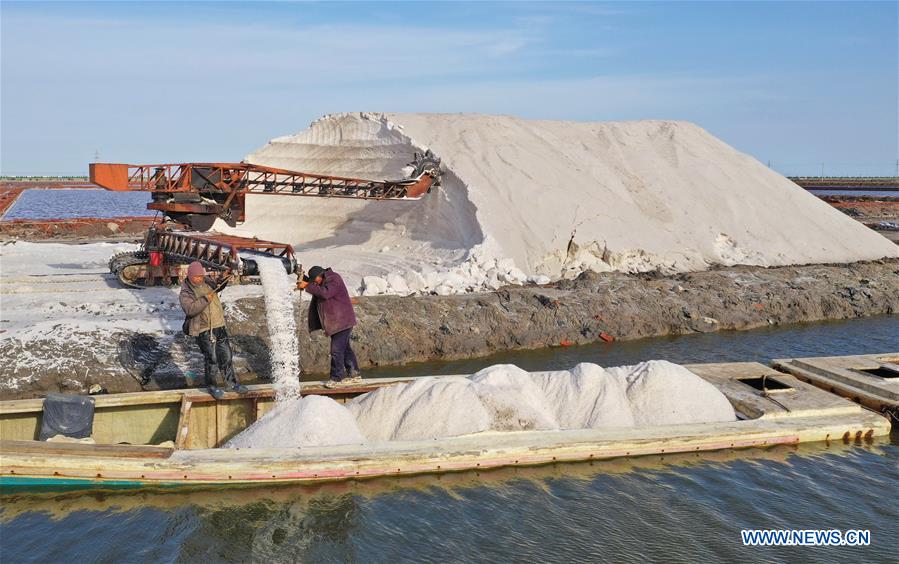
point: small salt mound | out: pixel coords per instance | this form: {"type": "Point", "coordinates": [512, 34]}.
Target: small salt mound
{"type": "Point", "coordinates": [587, 397]}
{"type": "Point", "coordinates": [664, 393]}
{"type": "Point", "coordinates": [301, 422]}
{"type": "Point", "coordinates": [513, 400]}
{"type": "Point", "coordinates": [426, 408]}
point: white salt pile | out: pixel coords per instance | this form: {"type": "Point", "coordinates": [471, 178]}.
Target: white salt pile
{"type": "Point", "coordinates": [533, 200]}
{"type": "Point", "coordinates": [662, 393]}
{"type": "Point", "coordinates": [499, 398]}
{"type": "Point", "coordinates": [507, 398]}
{"type": "Point", "coordinates": [422, 408]}
{"type": "Point", "coordinates": [284, 351]}
{"type": "Point", "coordinates": [301, 422]}
{"type": "Point", "coordinates": [588, 398]}
{"type": "Point", "coordinates": [513, 400]}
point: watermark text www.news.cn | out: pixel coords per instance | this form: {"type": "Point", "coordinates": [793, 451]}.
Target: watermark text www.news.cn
{"type": "Point", "coordinates": [805, 537]}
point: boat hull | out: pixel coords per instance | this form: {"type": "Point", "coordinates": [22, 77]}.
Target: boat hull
{"type": "Point", "coordinates": [800, 413]}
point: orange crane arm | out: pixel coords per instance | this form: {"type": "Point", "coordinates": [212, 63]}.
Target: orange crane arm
{"type": "Point", "coordinates": [197, 193]}
{"type": "Point", "coordinates": [257, 179]}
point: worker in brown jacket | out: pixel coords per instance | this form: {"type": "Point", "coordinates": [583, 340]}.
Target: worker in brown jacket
{"type": "Point", "coordinates": [206, 321]}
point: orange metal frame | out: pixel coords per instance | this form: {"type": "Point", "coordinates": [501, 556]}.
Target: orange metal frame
{"type": "Point", "coordinates": [236, 179]}
{"type": "Point", "coordinates": [216, 250]}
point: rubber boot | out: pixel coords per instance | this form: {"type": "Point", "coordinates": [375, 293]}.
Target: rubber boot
{"type": "Point", "coordinates": [215, 392]}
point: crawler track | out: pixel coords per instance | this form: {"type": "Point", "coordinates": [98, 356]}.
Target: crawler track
{"type": "Point", "coordinates": [120, 264]}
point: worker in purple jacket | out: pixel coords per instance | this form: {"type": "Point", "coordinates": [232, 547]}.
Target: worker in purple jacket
{"type": "Point", "coordinates": [332, 311]}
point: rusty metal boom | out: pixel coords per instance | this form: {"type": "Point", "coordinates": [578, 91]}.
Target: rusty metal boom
{"type": "Point", "coordinates": [197, 193]}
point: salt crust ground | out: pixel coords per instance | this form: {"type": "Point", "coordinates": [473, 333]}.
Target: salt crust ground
{"type": "Point", "coordinates": [64, 293]}
{"type": "Point", "coordinates": [498, 398]}
{"type": "Point", "coordinates": [536, 200]}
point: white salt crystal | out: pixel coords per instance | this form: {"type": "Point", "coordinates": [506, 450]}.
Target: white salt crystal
{"type": "Point", "coordinates": [284, 350]}
{"type": "Point", "coordinates": [308, 422]}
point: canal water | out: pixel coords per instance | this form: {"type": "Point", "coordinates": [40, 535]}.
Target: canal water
{"type": "Point", "coordinates": [676, 508]}
{"type": "Point", "coordinates": [65, 203]}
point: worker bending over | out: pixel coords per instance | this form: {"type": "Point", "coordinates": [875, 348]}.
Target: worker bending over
{"type": "Point", "coordinates": [206, 321]}
{"type": "Point", "coordinates": [332, 311]}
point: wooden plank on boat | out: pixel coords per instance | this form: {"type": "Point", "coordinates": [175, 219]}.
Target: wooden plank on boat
{"type": "Point", "coordinates": [140, 424]}
{"type": "Point", "coordinates": [756, 390]}
{"type": "Point", "coordinates": [183, 423]}
{"type": "Point", "coordinates": [233, 417]}
{"type": "Point", "coordinates": [136, 424]}
{"type": "Point", "coordinates": [202, 424]}
{"type": "Point", "coordinates": [100, 401]}
{"type": "Point", "coordinates": [262, 391]}
{"type": "Point", "coordinates": [44, 448]}
{"type": "Point", "coordinates": [23, 426]}
{"type": "Point", "coordinates": [865, 379]}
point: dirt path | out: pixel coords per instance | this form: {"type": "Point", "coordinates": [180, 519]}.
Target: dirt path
{"type": "Point", "coordinates": [394, 330]}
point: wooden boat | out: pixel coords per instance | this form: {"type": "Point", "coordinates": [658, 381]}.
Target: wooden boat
{"type": "Point", "coordinates": [871, 380]}
{"type": "Point", "coordinates": [168, 438]}
{"type": "Point", "coordinates": [58, 503]}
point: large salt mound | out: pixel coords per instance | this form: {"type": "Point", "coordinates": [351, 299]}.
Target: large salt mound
{"type": "Point", "coordinates": [555, 197]}
{"type": "Point", "coordinates": [513, 400]}
{"type": "Point", "coordinates": [301, 422]}
{"type": "Point", "coordinates": [663, 393]}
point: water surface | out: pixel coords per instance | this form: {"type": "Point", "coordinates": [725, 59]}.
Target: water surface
{"type": "Point", "coordinates": [67, 203]}
{"type": "Point", "coordinates": [679, 508]}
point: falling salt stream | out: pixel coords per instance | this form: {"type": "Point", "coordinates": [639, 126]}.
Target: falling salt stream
{"type": "Point", "coordinates": [284, 350]}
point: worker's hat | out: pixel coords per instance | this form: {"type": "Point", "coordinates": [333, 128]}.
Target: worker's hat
{"type": "Point", "coordinates": [196, 269]}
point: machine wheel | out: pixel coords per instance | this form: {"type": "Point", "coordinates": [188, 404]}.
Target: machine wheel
{"type": "Point", "coordinates": [126, 255]}
{"type": "Point", "coordinates": [196, 221]}
{"type": "Point", "coordinates": [125, 266]}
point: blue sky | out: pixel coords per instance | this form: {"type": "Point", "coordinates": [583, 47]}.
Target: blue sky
{"type": "Point", "coordinates": [797, 84]}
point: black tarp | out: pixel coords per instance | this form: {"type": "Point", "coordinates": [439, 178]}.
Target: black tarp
{"type": "Point", "coordinates": [71, 416]}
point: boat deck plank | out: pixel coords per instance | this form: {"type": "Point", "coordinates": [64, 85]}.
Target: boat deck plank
{"type": "Point", "coordinates": [848, 377]}
{"type": "Point", "coordinates": [800, 399]}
